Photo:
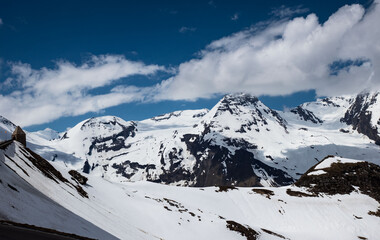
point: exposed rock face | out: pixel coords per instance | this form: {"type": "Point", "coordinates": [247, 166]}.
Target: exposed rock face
{"type": "Point", "coordinates": [86, 167]}
{"type": "Point", "coordinates": [361, 119]}
{"type": "Point", "coordinates": [217, 166]}
{"type": "Point", "coordinates": [306, 115]}
{"type": "Point", "coordinates": [245, 231]}
{"type": "Point", "coordinates": [78, 177]}
{"type": "Point", "coordinates": [329, 101]}
{"type": "Point", "coordinates": [122, 169]}
{"type": "Point", "coordinates": [166, 116]}
{"type": "Point", "coordinates": [117, 139]}
{"type": "Point", "coordinates": [342, 178]}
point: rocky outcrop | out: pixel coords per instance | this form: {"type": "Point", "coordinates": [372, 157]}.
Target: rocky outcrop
{"type": "Point", "coordinates": [134, 166]}
{"type": "Point", "coordinates": [306, 115]}
{"type": "Point", "coordinates": [78, 177]}
{"type": "Point", "coordinates": [245, 231]}
{"type": "Point", "coordinates": [343, 178]}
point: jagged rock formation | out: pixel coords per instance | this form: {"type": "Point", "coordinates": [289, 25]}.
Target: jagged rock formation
{"type": "Point", "coordinates": [78, 177]}
{"type": "Point", "coordinates": [306, 115]}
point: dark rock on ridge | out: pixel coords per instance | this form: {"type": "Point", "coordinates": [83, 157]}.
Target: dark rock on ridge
{"type": "Point", "coordinates": [306, 115]}
{"type": "Point", "coordinates": [342, 178]}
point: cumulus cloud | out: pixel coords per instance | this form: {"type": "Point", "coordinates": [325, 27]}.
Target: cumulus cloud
{"type": "Point", "coordinates": [44, 95]}
{"type": "Point", "coordinates": [277, 57]}
{"type": "Point", "coordinates": [284, 57]}
{"type": "Point", "coordinates": [187, 29]}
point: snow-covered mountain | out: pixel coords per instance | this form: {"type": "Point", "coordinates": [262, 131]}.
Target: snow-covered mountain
{"type": "Point", "coordinates": [48, 134]}
{"type": "Point", "coordinates": [240, 142]}
{"type": "Point", "coordinates": [34, 192]}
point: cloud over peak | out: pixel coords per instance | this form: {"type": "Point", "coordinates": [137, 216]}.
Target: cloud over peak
{"type": "Point", "coordinates": [284, 57]}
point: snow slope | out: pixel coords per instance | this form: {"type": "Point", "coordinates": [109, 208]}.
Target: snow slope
{"type": "Point", "coordinates": [26, 196]}
{"type": "Point", "coordinates": [48, 134]}
{"type": "Point", "coordinates": [145, 210]}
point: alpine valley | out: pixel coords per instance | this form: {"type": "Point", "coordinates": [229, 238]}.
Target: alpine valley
{"type": "Point", "coordinates": [238, 171]}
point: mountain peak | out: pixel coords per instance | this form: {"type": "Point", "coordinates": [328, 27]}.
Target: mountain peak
{"type": "Point", "coordinates": [237, 103]}
{"type": "Point", "coordinates": [242, 112]}
{"type": "Point", "coordinates": [243, 99]}
{"type": "Point", "coordinates": [48, 134]}
{"type": "Point", "coordinates": [104, 121]}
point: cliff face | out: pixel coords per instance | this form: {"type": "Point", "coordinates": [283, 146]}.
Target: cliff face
{"type": "Point", "coordinates": [364, 115]}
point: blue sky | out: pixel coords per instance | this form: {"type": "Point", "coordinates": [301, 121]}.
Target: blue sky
{"type": "Point", "coordinates": [179, 55]}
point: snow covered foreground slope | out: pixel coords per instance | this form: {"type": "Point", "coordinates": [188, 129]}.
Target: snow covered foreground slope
{"type": "Point", "coordinates": [145, 210]}
{"type": "Point", "coordinates": [238, 142]}
{"type": "Point", "coordinates": [28, 188]}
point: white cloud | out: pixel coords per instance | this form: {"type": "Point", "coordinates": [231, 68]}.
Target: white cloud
{"type": "Point", "coordinates": [284, 11]}
{"type": "Point", "coordinates": [46, 94]}
{"type": "Point", "coordinates": [270, 58]}
{"type": "Point", "coordinates": [285, 57]}
{"type": "Point", "coordinates": [235, 17]}
{"type": "Point", "coordinates": [1, 21]}
{"type": "Point", "coordinates": [187, 29]}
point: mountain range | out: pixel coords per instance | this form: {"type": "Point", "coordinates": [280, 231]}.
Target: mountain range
{"type": "Point", "coordinates": [239, 142]}
{"type": "Point", "coordinates": [240, 169]}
